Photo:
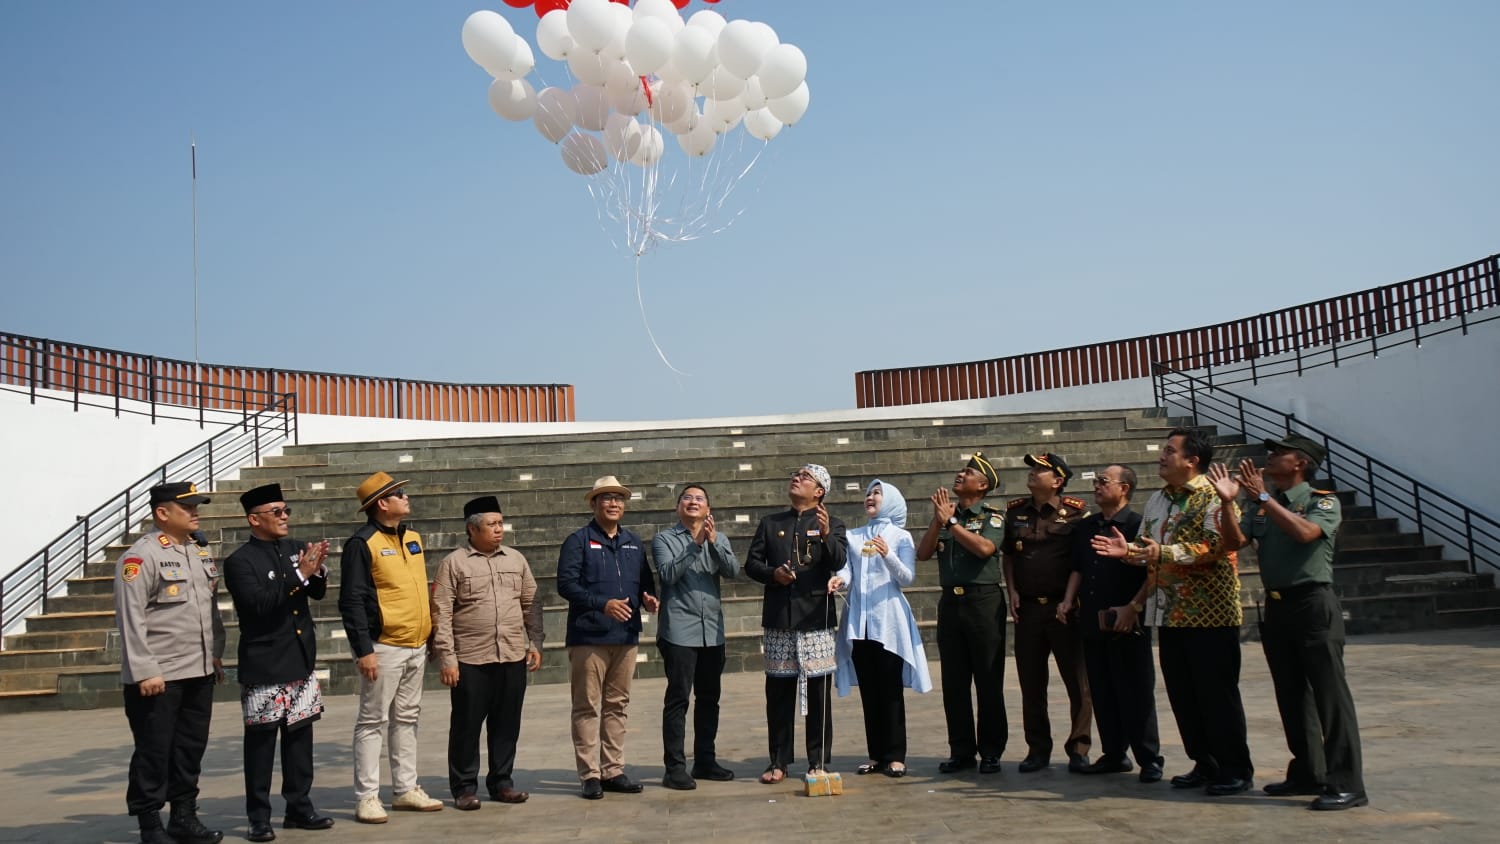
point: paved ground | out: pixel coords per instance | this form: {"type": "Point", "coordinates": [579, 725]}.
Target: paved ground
{"type": "Point", "coordinates": [1427, 703]}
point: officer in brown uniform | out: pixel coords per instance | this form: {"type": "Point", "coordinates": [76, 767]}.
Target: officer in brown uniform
{"type": "Point", "coordinates": [171, 652]}
{"type": "Point", "coordinates": [1038, 561]}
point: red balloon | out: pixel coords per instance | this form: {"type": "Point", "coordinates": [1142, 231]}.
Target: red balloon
{"type": "Point", "coordinates": [680, 3]}
{"type": "Point", "coordinates": [545, 6]}
{"type": "Point", "coordinates": [621, 2]}
{"type": "Point", "coordinates": [518, 4]}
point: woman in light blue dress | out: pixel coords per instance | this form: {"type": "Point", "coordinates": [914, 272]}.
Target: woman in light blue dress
{"type": "Point", "coordinates": [879, 647]}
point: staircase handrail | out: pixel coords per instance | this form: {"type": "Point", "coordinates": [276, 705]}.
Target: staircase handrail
{"type": "Point", "coordinates": [47, 571]}
{"type": "Point", "coordinates": [1390, 490]}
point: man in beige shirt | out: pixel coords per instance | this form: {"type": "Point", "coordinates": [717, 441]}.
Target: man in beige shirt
{"type": "Point", "coordinates": [487, 633]}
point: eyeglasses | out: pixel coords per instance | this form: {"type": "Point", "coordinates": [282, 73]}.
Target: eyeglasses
{"type": "Point", "coordinates": [689, 499]}
{"type": "Point", "coordinates": [400, 493]}
{"type": "Point", "coordinates": [801, 475]}
{"type": "Point", "coordinates": [275, 512]}
{"type": "Point", "coordinates": [611, 497]}
{"type": "Point", "coordinates": [1104, 481]}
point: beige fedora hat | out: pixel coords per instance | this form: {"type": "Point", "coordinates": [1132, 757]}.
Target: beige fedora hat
{"type": "Point", "coordinates": [373, 487]}
{"type": "Point", "coordinates": [608, 483]}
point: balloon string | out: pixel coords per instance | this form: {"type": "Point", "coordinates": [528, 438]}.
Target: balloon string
{"type": "Point", "coordinates": [641, 301]}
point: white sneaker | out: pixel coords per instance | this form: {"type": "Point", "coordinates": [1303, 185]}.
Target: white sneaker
{"type": "Point", "coordinates": [416, 800]}
{"type": "Point", "coordinates": [369, 810]}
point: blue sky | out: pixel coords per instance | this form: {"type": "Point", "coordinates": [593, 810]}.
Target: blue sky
{"type": "Point", "coordinates": [972, 180]}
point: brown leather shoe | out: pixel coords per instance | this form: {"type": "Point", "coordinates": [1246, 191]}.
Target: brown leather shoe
{"type": "Point", "coordinates": [468, 801]}
{"type": "Point", "coordinates": [509, 795]}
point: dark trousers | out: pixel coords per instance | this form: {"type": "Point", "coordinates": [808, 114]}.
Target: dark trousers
{"type": "Point", "coordinates": [697, 672]}
{"type": "Point", "coordinates": [883, 698]}
{"type": "Point", "coordinates": [781, 720]}
{"type": "Point", "coordinates": [1038, 635]}
{"type": "Point", "coordinates": [488, 695]}
{"type": "Point", "coordinates": [1201, 669]}
{"type": "Point", "coordinates": [971, 646]}
{"type": "Point", "coordinates": [296, 769]}
{"type": "Point", "coordinates": [1122, 686]}
{"type": "Point", "coordinates": [171, 733]}
{"type": "Point", "coordinates": [1303, 638]}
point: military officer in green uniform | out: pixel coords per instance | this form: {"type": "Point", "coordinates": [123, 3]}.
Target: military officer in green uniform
{"type": "Point", "coordinates": [1038, 549]}
{"type": "Point", "coordinates": [1294, 529]}
{"type": "Point", "coordinates": [965, 536]}
{"type": "Point", "coordinates": [171, 652]}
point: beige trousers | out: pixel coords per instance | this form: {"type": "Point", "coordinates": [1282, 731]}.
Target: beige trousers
{"type": "Point", "coordinates": [600, 676]}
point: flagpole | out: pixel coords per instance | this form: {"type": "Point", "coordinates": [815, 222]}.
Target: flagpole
{"type": "Point", "coordinates": [197, 377]}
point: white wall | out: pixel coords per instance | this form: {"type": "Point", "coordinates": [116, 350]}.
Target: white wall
{"type": "Point", "coordinates": [1432, 412]}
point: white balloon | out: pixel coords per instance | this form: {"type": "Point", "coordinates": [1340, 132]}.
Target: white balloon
{"type": "Point", "coordinates": [671, 75]}
{"type": "Point", "coordinates": [698, 141]}
{"type": "Point", "coordinates": [622, 137]}
{"type": "Point", "coordinates": [591, 23]}
{"type": "Point", "coordinates": [689, 120]}
{"type": "Point", "coordinates": [651, 147]}
{"type": "Point", "coordinates": [753, 97]}
{"type": "Point", "coordinates": [721, 85]}
{"type": "Point", "coordinates": [722, 115]}
{"type": "Point", "coordinates": [620, 77]}
{"type": "Point", "coordinates": [648, 45]}
{"type": "Point", "coordinates": [789, 109]}
{"type": "Point", "coordinates": [709, 20]}
{"type": "Point", "coordinates": [622, 20]}
{"type": "Point", "coordinates": [521, 61]}
{"type": "Point", "coordinates": [655, 9]}
{"type": "Point", "coordinates": [671, 102]}
{"type": "Point", "coordinates": [552, 35]}
{"type": "Point", "coordinates": [593, 108]}
{"type": "Point", "coordinates": [489, 40]}
{"type": "Point", "coordinates": [513, 100]}
{"type": "Point", "coordinates": [693, 55]}
{"type": "Point", "coordinates": [584, 154]}
{"type": "Point", "coordinates": [741, 47]}
{"type": "Point", "coordinates": [630, 103]}
{"type": "Point", "coordinates": [587, 65]}
{"type": "Point", "coordinates": [782, 70]}
{"type": "Point", "coordinates": [556, 110]}
{"type": "Point", "coordinates": [762, 124]}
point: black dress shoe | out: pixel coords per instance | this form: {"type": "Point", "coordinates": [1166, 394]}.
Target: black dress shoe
{"type": "Point", "coordinates": [621, 784]}
{"type": "Point", "coordinates": [592, 790]}
{"type": "Point", "coordinates": [678, 780]}
{"type": "Point", "coordinates": [955, 764]}
{"type": "Point", "coordinates": [989, 765]}
{"type": "Point", "coordinates": [261, 831]}
{"type": "Point", "coordinates": [1192, 779]}
{"type": "Point", "coordinates": [1228, 786]}
{"type": "Point", "coordinates": [712, 771]}
{"type": "Point", "coordinates": [1032, 764]}
{"type": "Point", "coordinates": [1077, 763]}
{"type": "Point", "coordinates": [870, 768]}
{"type": "Point", "coordinates": [1151, 773]}
{"type": "Point", "coordinates": [1106, 765]}
{"type": "Point", "coordinates": [466, 802]}
{"type": "Point", "coordinates": [1289, 788]}
{"type": "Point", "coordinates": [895, 773]}
{"type": "Point", "coordinates": [311, 820]}
{"type": "Point", "coordinates": [1333, 801]}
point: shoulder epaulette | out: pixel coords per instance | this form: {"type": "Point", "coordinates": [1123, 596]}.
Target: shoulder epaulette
{"type": "Point", "coordinates": [1323, 492]}
{"type": "Point", "coordinates": [990, 508]}
{"type": "Point", "coordinates": [1017, 503]}
{"type": "Point", "coordinates": [1075, 503]}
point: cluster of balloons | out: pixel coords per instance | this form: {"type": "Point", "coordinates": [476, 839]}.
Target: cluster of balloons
{"type": "Point", "coordinates": [642, 74]}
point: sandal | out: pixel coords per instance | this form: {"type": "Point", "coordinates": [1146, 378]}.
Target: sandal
{"type": "Point", "coordinates": [894, 772]}
{"type": "Point", "coordinates": [772, 776]}
{"type": "Point", "coordinates": [871, 768]}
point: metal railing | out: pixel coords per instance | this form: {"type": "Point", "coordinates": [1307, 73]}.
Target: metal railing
{"type": "Point", "coordinates": [47, 571]}
{"type": "Point", "coordinates": [1392, 492]}
{"type": "Point", "coordinates": [36, 365]}
{"type": "Point", "coordinates": [1406, 306]}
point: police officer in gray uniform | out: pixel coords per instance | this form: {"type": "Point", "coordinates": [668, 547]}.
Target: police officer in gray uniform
{"type": "Point", "coordinates": [172, 644]}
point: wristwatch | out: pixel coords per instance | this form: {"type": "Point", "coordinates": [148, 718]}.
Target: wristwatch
{"type": "Point", "coordinates": [1137, 607]}
{"type": "Point", "coordinates": [953, 520]}
{"type": "Point", "coordinates": [1263, 497]}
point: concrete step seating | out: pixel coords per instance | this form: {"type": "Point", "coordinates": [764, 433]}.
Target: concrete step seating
{"type": "Point", "coordinates": [69, 655]}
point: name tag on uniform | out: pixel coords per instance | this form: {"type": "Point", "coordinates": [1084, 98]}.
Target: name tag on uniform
{"type": "Point", "coordinates": [814, 532]}
{"type": "Point", "coordinates": [594, 546]}
{"type": "Point", "coordinates": [388, 552]}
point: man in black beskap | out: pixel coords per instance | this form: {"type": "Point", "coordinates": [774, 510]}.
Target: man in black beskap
{"type": "Point", "coordinates": [271, 578]}
{"type": "Point", "coordinates": [795, 554]}
{"type": "Point", "coordinates": [1110, 597]}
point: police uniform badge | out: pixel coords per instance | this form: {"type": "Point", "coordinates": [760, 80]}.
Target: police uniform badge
{"type": "Point", "coordinates": [165, 542]}
{"type": "Point", "coordinates": [1325, 503]}
{"type": "Point", "coordinates": [172, 590]}
{"type": "Point", "coordinates": [997, 520]}
{"type": "Point", "coordinates": [130, 569]}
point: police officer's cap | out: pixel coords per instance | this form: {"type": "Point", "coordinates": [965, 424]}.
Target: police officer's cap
{"type": "Point", "coordinates": [1051, 461]}
{"type": "Point", "coordinates": [184, 493]}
